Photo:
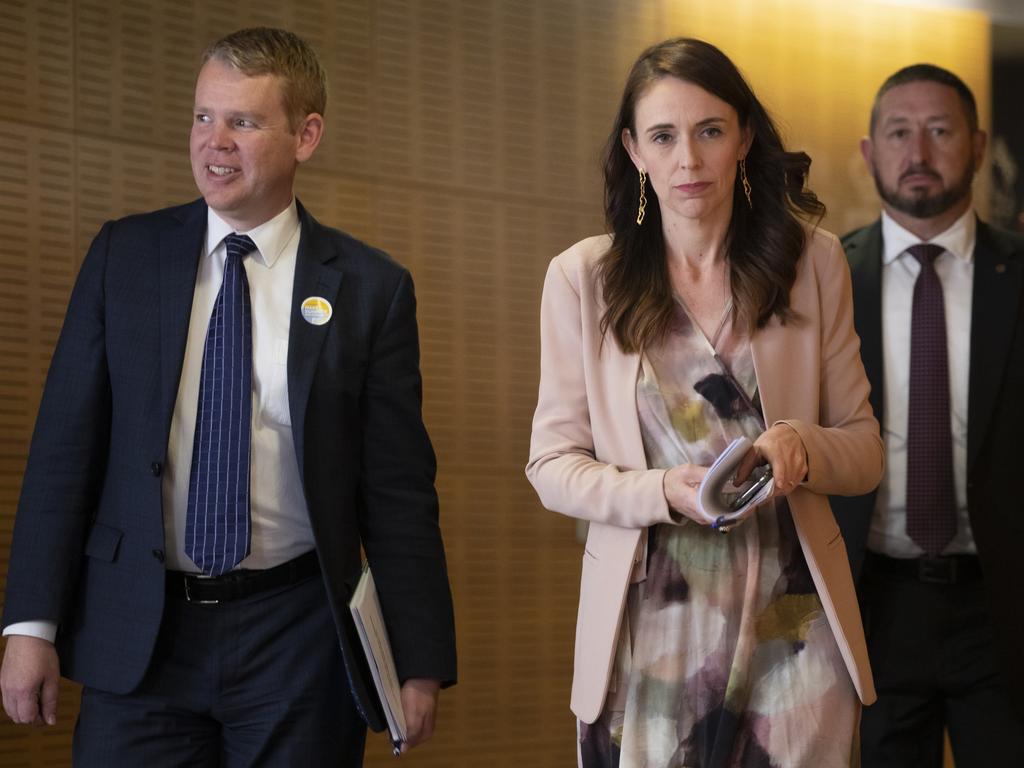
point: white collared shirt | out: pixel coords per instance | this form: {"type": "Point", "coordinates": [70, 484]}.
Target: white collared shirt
{"type": "Point", "coordinates": [280, 523]}
{"type": "Point", "coordinates": [955, 268]}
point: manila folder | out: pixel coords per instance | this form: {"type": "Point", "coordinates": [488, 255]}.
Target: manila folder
{"type": "Point", "coordinates": [369, 621]}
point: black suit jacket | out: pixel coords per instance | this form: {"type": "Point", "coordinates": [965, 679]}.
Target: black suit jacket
{"type": "Point", "coordinates": [89, 534]}
{"type": "Point", "coordinates": [995, 419]}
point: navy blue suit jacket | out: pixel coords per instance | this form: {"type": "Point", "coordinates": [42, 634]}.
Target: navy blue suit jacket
{"type": "Point", "coordinates": [995, 419]}
{"type": "Point", "coordinates": [89, 533]}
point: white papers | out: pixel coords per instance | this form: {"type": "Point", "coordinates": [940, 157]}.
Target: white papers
{"type": "Point", "coordinates": [716, 492]}
{"type": "Point", "coordinates": [369, 621]}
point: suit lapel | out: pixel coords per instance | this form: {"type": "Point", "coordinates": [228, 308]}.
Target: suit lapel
{"type": "Point", "coordinates": [782, 353]}
{"type": "Point", "coordinates": [864, 253]}
{"type": "Point", "coordinates": [998, 282]}
{"type": "Point", "coordinates": [178, 261]}
{"type": "Point", "coordinates": [626, 370]}
{"type": "Point", "coordinates": [778, 365]}
{"type": "Point", "coordinates": [315, 275]}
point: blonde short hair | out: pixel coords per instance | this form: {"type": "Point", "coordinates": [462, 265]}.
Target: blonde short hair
{"type": "Point", "coordinates": [269, 51]}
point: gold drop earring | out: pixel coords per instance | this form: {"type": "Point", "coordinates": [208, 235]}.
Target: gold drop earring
{"type": "Point", "coordinates": [746, 182]}
{"type": "Point", "coordinates": [643, 198]}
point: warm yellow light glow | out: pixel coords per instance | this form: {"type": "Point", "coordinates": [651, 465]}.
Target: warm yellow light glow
{"type": "Point", "coordinates": [816, 65]}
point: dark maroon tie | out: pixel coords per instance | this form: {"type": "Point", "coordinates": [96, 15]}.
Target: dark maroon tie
{"type": "Point", "coordinates": [931, 501]}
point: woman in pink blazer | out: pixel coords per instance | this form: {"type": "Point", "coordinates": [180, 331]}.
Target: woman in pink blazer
{"type": "Point", "coordinates": [711, 311]}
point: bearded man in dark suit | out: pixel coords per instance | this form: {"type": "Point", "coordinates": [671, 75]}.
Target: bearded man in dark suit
{"type": "Point", "coordinates": [939, 307]}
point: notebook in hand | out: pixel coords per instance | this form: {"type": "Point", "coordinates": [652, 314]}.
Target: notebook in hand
{"type": "Point", "coordinates": [719, 501]}
{"type": "Point", "coordinates": [385, 698]}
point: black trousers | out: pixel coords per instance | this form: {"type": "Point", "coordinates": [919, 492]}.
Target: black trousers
{"type": "Point", "coordinates": [934, 662]}
{"type": "Point", "coordinates": [253, 682]}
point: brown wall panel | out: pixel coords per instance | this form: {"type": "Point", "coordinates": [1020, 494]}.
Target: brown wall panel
{"type": "Point", "coordinates": [36, 72]}
{"type": "Point", "coordinates": [37, 265]}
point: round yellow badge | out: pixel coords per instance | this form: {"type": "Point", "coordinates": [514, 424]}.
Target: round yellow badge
{"type": "Point", "coordinates": [316, 310]}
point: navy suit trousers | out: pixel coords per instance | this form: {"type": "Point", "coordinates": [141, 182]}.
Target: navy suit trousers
{"type": "Point", "coordinates": [253, 682]}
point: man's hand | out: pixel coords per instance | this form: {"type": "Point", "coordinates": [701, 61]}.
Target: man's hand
{"type": "Point", "coordinates": [419, 703]}
{"type": "Point", "coordinates": [30, 679]}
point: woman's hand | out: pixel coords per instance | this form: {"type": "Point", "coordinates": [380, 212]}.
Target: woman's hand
{"type": "Point", "coordinates": [781, 447]}
{"type": "Point", "coordinates": [681, 484]}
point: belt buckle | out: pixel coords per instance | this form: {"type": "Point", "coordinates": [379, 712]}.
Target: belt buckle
{"type": "Point", "coordinates": [197, 601]}
{"type": "Point", "coordinates": [937, 570]}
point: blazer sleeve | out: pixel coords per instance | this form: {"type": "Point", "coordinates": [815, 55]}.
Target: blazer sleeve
{"type": "Point", "coordinates": [67, 457]}
{"type": "Point", "coordinates": [399, 527]}
{"type": "Point", "coordinates": [845, 456]}
{"type": "Point", "coordinates": [566, 470]}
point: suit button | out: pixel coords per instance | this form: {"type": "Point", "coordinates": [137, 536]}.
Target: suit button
{"type": "Point", "coordinates": [156, 468]}
{"type": "Point", "coordinates": [158, 554]}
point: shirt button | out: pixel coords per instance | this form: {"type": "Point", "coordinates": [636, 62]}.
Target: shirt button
{"type": "Point", "coordinates": [156, 468]}
{"type": "Point", "coordinates": [158, 554]}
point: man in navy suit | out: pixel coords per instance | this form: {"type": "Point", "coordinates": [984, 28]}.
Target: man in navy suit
{"type": "Point", "coordinates": [243, 661]}
{"type": "Point", "coordinates": [939, 306]}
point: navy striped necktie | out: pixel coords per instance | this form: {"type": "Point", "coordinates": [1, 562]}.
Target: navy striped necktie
{"type": "Point", "coordinates": [217, 523]}
{"type": "Point", "coordinates": [931, 501]}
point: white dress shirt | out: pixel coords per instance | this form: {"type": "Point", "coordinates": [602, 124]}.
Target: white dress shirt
{"type": "Point", "coordinates": [280, 522]}
{"type": "Point", "coordinates": [955, 268]}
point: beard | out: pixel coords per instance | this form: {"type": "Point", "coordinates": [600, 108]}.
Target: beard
{"type": "Point", "coordinates": [921, 205]}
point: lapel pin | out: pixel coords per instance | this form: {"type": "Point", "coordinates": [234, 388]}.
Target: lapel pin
{"type": "Point", "coordinates": [316, 310]}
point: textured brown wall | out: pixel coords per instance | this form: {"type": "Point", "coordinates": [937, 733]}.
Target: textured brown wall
{"type": "Point", "coordinates": [463, 137]}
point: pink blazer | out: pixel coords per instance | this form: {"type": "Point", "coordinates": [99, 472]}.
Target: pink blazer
{"type": "Point", "coordinates": [587, 458]}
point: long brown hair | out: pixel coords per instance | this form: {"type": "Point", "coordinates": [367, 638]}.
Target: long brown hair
{"type": "Point", "coordinates": [763, 242]}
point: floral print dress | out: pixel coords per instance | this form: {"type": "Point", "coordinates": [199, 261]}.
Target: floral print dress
{"type": "Point", "coordinates": [726, 657]}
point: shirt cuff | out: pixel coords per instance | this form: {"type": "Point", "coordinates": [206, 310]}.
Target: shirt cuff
{"type": "Point", "coordinates": [44, 630]}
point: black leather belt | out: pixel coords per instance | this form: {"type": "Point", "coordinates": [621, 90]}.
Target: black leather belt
{"type": "Point", "coordinates": [946, 569]}
{"type": "Point", "coordinates": [235, 585]}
